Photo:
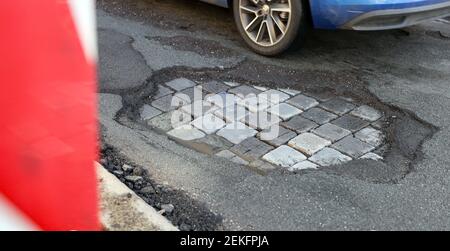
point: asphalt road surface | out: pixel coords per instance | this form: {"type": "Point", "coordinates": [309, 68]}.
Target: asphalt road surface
{"type": "Point", "coordinates": [403, 73]}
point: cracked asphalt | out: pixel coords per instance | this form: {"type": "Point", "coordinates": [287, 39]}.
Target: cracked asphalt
{"type": "Point", "coordinates": [405, 73]}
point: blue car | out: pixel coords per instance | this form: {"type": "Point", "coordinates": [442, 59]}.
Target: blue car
{"type": "Point", "coordinates": [270, 27]}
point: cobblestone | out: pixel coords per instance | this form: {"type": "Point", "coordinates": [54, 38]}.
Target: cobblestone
{"type": "Point", "coordinates": [353, 147]}
{"type": "Point", "coordinates": [161, 92]}
{"type": "Point", "coordinates": [180, 84]}
{"type": "Point", "coordinates": [284, 111]}
{"type": "Point", "coordinates": [338, 106]}
{"type": "Point", "coordinates": [209, 123]}
{"type": "Point", "coordinates": [243, 90]}
{"type": "Point", "coordinates": [149, 112]}
{"type": "Point", "coordinates": [284, 156]}
{"type": "Point", "coordinates": [350, 123]}
{"type": "Point", "coordinates": [186, 133]}
{"type": "Point", "coordinates": [165, 103]}
{"type": "Point", "coordinates": [304, 165]}
{"type": "Point", "coordinates": [308, 143]}
{"type": "Point", "coordinates": [370, 135]}
{"type": "Point", "coordinates": [329, 157]}
{"type": "Point", "coordinates": [367, 113]}
{"type": "Point", "coordinates": [331, 132]}
{"type": "Point", "coordinates": [215, 87]}
{"type": "Point", "coordinates": [236, 132]}
{"type": "Point", "coordinates": [282, 137]}
{"type": "Point", "coordinates": [319, 115]}
{"type": "Point", "coordinates": [303, 102]}
{"type": "Point", "coordinates": [299, 124]}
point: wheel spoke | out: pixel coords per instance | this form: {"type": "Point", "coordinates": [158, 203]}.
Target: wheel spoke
{"type": "Point", "coordinates": [250, 9]}
{"type": "Point", "coordinates": [260, 34]}
{"type": "Point", "coordinates": [281, 26]}
{"type": "Point", "coordinates": [281, 7]}
{"type": "Point", "coordinates": [271, 30]}
{"type": "Point", "coordinates": [251, 26]}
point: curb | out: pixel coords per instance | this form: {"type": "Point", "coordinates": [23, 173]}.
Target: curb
{"type": "Point", "coordinates": [123, 210]}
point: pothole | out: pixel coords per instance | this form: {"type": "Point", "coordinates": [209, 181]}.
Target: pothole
{"type": "Point", "coordinates": [352, 124]}
{"type": "Point", "coordinates": [257, 126]}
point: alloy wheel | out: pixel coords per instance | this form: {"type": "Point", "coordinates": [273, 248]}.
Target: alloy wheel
{"type": "Point", "coordinates": [265, 21]}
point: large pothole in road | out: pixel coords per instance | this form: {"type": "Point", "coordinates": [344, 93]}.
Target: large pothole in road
{"type": "Point", "coordinates": [329, 122]}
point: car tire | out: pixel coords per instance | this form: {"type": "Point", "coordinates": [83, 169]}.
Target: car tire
{"type": "Point", "coordinates": [254, 19]}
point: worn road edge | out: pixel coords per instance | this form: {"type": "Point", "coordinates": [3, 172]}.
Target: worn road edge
{"type": "Point", "coordinates": [122, 209]}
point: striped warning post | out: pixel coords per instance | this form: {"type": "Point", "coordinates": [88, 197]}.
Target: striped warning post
{"type": "Point", "coordinates": [48, 125]}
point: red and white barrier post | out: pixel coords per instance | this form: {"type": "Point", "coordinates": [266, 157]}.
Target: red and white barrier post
{"type": "Point", "coordinates": [48, 131]}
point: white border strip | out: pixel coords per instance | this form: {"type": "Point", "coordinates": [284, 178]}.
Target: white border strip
{"type": "Point", "coordinates": [11, 219]}
{"type": "Point", "coordinates": [83, 14]}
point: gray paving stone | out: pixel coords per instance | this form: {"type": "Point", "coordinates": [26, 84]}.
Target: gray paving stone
{"type": "Point", "coordinates": [338, 106]}
{"type": "Point", "coordinates": [329, 157]}
{"type": "Point", "coordinates": [303, 102]}
{"type": "Point", "coordinates": [308, 143]}
{"type": "Point", "coordinates": [251, 148]}
{"type": "Point", "coordinates": [231, 113]}
{"type": "Point", "coordinates": [352, 147]}
{"type": "Point", "coordinates": [243, 90]}
{"type": "Point", "coordinates": [199, 108]}
{"type": "Point", "coordinates": [208, 123]}
{"type": "Point", "coordinates": [169, 103]}
{"type": "Point", "coordinates": [291, 92]}
{"type": "Point", "coordinates": [231, 83]}
{"type": "Point", "coordinates": [370, 135]}
{"type": "Point", "coordinates": [180, 84]}
{"type": "Point", "coordinates": [215, 87]}
{"type": "Point", "coordinates": [260, 120]}
{"type": "Point", "coordinates": [262, 166]}
{"type": "Point", "coordinates": [322, 96]}
{"type": "Point", "coordinates": [282, 136]}
{"type": "Point", "coordinates": [284, 111]}
{"type": "Point", "coordinates": [236, 132]}
{"type": "Point", "coordinates": [284, 156]}
{"type": "Point", "coordinates": [372, 156]}
{"type": "Point", "coordinates": [168, 121]}
{"type": "Point", "coordinates": [299, 124]}
{"type": "Point", "coordinates": [223, 99]}
{"type": "Point", "coordinates": [161, 91]}
{"type": "Point", "coordinates": [261, 88]}
{"type": "Point", "coordinates": [149, 112]}
{"type": "Point", "coordinates": [254, 104]}
{"type": "Point", "coordinates": [239, 160]}
{"type": "Point", "coordinates": [350, 123]}
{"type": "Point", "coordinates": [214, 143]}
{"type": "Point", "coordinates": [304, 165]}
{"type": "Point", "coordinates": [367, 113]}
{"type": "Point", "coordinates": [331, 132]}
{"type": "Point", "coordinates": [225, 154]}
{"type": "Point", "coordinates": [186, 133]}
{"type": "Point", "coordinates": [192, 94]}
{"type": "Point", "coordinates": [319, 115]}
{"type": "Point", "coordinates": [274, 96]}
{"type": "Point", "coordinates": [379, 124]}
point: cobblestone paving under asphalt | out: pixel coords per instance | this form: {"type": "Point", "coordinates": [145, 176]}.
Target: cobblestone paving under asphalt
{"type": "Point", "coordinates": [310, 132]}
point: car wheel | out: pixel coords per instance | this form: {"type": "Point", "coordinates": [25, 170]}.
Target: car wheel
{"type": "Point", "coordinates": [270, 27]}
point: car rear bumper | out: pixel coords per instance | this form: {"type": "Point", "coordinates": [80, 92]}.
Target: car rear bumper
{"type": "Point", "coordinates": [397, 18]}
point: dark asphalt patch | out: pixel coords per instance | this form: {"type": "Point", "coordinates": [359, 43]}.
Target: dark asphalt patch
{"type": "Point", "coordinates": [190, 15]}
{"type": "Point", "coordinates": [188, 214]}
{"type": "Point", "coordinates": [200, 46]}
{"type": "Point", "coordinates": [120, 66]}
